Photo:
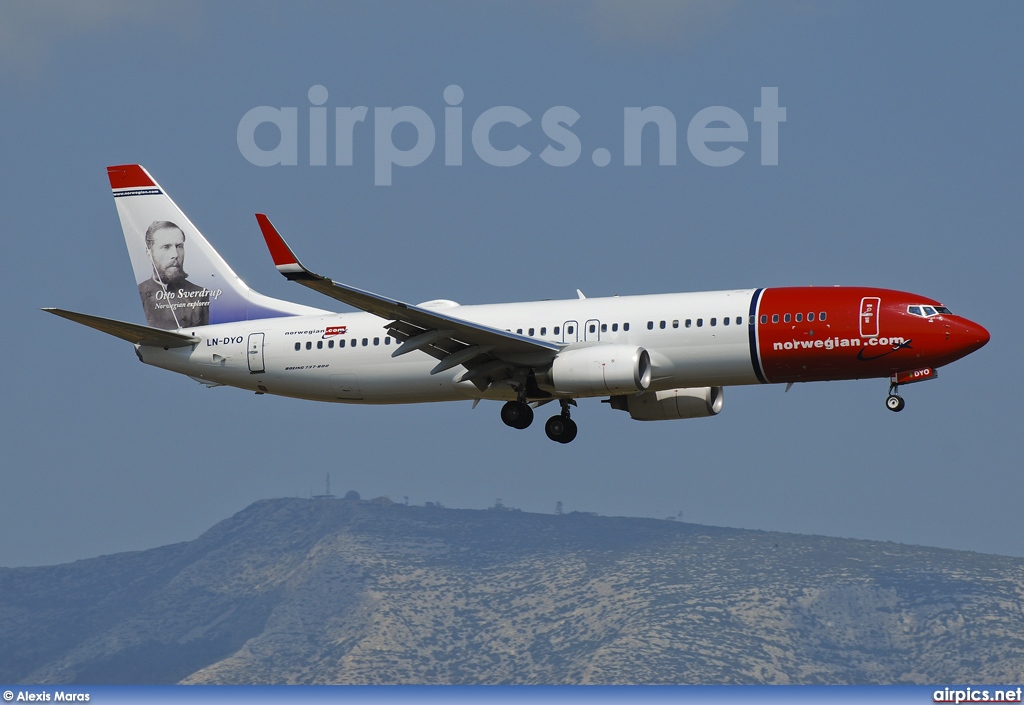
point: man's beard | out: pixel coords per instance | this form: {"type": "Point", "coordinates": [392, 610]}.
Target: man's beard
{"type": "Point", "coordinates": [173, 275]}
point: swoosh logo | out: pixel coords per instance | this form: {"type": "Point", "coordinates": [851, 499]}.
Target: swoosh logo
{"type": "Point", "coordinates": [905, 344]}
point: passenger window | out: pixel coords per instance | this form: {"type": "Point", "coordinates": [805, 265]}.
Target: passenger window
{"type": "Point", "coordinates": [650, 325]}
{"type": "Point", "coordinates": [688, 322]}
{"type": "Point", "coordinates": [376, 341]}
{"type": "Point", "coordinates": [341, 343]}
{"type": "Point", "coordinates": [700, 322]}
{"type": "Point", "coordinates": [531, 331]}
{"type": "Point", "coordinates": [739, 320]}
{"type": "Point", "coordinates": [775, 318]}
{"type": "Point", "coordinates": [519, 331]}
{"type": "Point", "coordinates": [725, 321]}
{"type": "Point", "coordinates": [604, 327]}
{"type": "Point", "coordinates": [366, 342]}
{"type": "Point", "coordinates": [330, 344]}
{"type": "Point", "coordinates": [570, 329]}
{"type": "Point", "coordinates": [298, 346]}
{"type": "Point", "coordinates": [309, 345]}
{"type": "Point", "coordinates": [387, 340]}
{"type": "Point", "coordinates": [615, 327]}
{"type": "Point", "coordinates": [764, 318]}
{"type": "Point", "coordinates": [675, 323]}
{"type": "Point", "coordinates": [785, 318]}
{"type": "Point", "coordinates": [593, 328]}
{"type": "Point", "coordinates": [625, 326]}
{"type": "Point", "coordinates": [319, 345]}
{"type": "Point", "coordinates": [821, 316]}
{"type": "Point", "coordinates": [544, 330]}
{"type": "Point", "coordinates": [799, 317]}
{"type": "Point", "coordinates": [662, 325]}
{"type": "Point", "coordinates": [556, 329]}
{"type": "Point", "coordinates": [810, 317]}
{"type": "Point", "coordinates": [714, 321]}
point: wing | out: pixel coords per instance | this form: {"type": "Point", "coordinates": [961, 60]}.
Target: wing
{"type": "Point", "coordinates": [133, 333]}
{"type": "Point", "coordinates": [490, 355]}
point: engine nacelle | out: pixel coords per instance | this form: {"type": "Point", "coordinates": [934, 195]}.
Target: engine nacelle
{"type": "Point", "coordinates": [601, 369]}
{"type": "Point", "coordinates": [691, 403]}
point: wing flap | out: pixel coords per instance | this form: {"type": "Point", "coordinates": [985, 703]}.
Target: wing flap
{"type": "Point", "coordinates": [132, 332]}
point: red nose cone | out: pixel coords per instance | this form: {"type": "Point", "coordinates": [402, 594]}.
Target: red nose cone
{"type": "Point", "coordinates": [974, 336]}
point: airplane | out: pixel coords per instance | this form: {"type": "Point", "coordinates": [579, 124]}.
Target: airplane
{"type": "Point", "coordinates": [656, 357]}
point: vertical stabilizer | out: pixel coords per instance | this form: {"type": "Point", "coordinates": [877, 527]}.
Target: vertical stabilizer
{"type": "Point", "coordinates": [183, 282]}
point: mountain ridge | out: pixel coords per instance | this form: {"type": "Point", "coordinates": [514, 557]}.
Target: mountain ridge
{"type": "Point", "coordinates": [352, 591]}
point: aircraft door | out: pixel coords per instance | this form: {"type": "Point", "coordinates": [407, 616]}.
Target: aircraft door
{"type": "Point", "coordinates": [570, 332]}
{"type": "Point", "coordinates": [255, 353]}
{"type": "Point", "coordinates": [592, 330]}
{"type": "Point", "coordinates": [869, 307]}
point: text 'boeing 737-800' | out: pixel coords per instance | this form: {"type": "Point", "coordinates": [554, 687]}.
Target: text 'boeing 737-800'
{"type": "Point", "coordinates": [656, 357]}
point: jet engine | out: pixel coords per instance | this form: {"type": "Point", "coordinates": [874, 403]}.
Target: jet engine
{"type": "Point", "coordinates": [600, 369]}
{"type": "Point", "coordinates": [670, 404]}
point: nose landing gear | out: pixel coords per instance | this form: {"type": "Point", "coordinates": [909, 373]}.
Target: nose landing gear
{"type": "Point", "coordinates": [894, 402]}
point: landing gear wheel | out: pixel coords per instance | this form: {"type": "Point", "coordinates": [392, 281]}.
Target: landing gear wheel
{"type": "Point", "coordinates": [570, 431]}
{"type": "Point", "coordinates": [894, 402]}
{"type": "Point", "coordinates": [561, 429]}
{"type": "Point", "coordinates": [517, 414]}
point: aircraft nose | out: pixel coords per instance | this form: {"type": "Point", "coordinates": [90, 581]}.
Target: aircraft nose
{"type": "Point", "coordinates": [973, 336]}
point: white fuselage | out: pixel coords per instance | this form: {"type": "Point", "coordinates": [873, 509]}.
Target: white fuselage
{"type": "Point", "coordinates": [658, 357]}
{"type": "Point", "coordinates": [310, 358]}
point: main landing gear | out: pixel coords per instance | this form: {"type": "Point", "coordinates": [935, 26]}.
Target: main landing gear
{"type": "Point", "coordinates": [894, 402]}
{"type": "Point", "coordinates": [517, 414]}
{"type": "Point", "coordinates": [560, 428]}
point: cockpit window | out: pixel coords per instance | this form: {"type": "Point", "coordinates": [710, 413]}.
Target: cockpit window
{"type": "Point", "coordinates": [927, 311]}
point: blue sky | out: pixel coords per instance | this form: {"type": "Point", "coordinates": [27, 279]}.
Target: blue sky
{"type": "Point", "coordinates": [900, 165]}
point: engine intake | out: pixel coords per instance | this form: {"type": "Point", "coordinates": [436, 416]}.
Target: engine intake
{"type": "Point", "coordinates": [671, 404]}
{"type": "Point", "coordinates": [601, 369]}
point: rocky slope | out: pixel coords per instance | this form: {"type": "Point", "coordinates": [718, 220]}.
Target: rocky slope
{"type": "Point", "coordinates": [336, 591]}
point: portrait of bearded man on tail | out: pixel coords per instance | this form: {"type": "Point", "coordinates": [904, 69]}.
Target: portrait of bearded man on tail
{"type": "Point", "coordinates": [170, 300]}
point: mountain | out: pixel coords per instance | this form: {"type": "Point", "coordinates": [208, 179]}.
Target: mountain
{"type": "Point", "coordinates": [349, 591]}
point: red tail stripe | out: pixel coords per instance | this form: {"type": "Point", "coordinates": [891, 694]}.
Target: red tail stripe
{"type": "Point", "coordinates": [128, 176]}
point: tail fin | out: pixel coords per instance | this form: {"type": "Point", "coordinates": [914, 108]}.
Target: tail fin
{"type": "Point", "coordinates": [183, 281]}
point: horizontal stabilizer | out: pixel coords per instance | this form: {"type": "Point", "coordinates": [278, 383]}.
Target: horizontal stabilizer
{"type": "Point", "coordinates": [132, 332]}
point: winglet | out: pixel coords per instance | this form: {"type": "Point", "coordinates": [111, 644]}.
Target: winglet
{"type": "Point", "coordinates": [284, 259]}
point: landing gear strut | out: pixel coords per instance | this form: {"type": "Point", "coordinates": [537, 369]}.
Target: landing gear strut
{"type": "Point", "coordinates": [517, 414]}
{"type": "Point", "coordinates": [561, 428]}
{"type": "Point", "coordinates": [894, 402]}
